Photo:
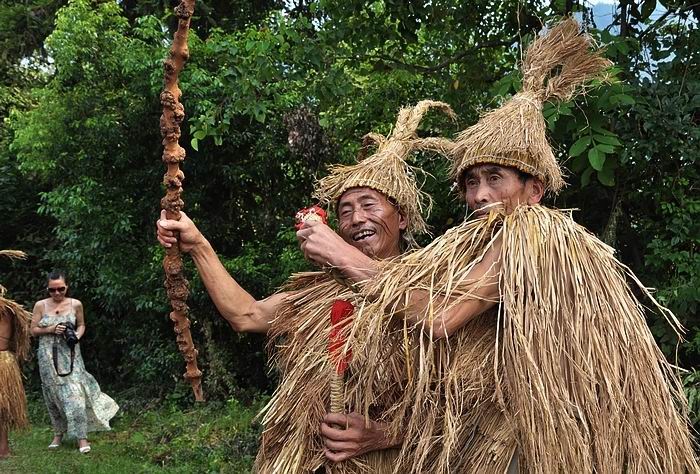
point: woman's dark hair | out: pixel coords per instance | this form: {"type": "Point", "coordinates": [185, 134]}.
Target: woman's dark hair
{"type": "Point", "coordinates": [57, 275]}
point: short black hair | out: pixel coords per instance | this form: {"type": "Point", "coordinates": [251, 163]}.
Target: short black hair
{"type": "Point", "coordinates": [522, 175]}
{"type": "Point", "coordinates": [56, 274]}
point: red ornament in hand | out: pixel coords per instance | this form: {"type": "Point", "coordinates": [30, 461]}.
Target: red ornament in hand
{"type": "Point", "coordinates": [308, 214]}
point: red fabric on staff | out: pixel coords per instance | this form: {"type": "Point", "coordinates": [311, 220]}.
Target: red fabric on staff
{"type": "Point", "coordinates": [340, 317]}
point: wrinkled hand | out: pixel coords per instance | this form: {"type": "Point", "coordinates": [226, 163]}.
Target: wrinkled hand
{"type": "Point", "coordinates": [189, 235]}
{"type": "Point", "coordinates": [356, 439]}
{"type": "Point", "coordinates": [320, 244]}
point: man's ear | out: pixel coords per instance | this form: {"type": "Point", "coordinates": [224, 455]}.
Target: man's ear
{"type": "Point", "coordinates": [535, 191]}
{"type": "Point", "coordinates": [403, 222]}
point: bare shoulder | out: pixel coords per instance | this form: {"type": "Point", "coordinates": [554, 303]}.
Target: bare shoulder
{"type": "Point", "coordinates": [77, 303]}
{"type": "Point", "coordinates": [40, 305]}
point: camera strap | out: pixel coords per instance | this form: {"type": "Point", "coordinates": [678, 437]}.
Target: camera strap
{"type": "Point", "coordinates": [55, 358]}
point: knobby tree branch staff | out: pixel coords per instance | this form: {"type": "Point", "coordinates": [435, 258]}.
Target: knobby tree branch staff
{"type": "Point", "coordinates": [14, 347]}
{"type": "Point", "coordinates": [535, 355]}
{"type": "Point", "coordinates": [379, 206]}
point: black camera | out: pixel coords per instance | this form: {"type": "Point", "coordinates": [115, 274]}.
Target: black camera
{"type": "Point", "coordinates": [69, 335]}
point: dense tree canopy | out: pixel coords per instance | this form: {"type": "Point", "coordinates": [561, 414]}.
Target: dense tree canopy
{"type": "Point", "coordinates": [80, 149]}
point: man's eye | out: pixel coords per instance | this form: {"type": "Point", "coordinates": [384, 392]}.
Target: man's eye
{"type": "Point", "coordinates": [471, 182]}
{"type": "Point", "coordinates": [494, 177]}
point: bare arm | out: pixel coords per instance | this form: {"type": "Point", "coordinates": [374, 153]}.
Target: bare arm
{"type": "Point", "coordinates": [485, 290]}
{"type": "Point", "coordinates": [321, 245]}
{"type": "Point", "coordinates": [79, 318]}
{"type": "Point", "coordinates": [243, 312]}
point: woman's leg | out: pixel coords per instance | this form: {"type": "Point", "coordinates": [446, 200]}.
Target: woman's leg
{"type": "Point", "coordinates": [74, 408]}
{"type": "Point", "coordinates": [58, 420]}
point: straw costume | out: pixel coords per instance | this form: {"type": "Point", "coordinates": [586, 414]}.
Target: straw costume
{"type": "Point", "coordinates": [299, 334]}
{"type": "Point", "coordinates": [564, 370]}
{"type": "Point", "coordinates": [13, 403]}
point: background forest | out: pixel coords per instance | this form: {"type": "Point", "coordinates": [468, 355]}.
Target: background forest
{"type": "Point", "coordinates": [275, 91]}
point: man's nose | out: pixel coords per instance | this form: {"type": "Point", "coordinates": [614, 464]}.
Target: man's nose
{"type": "Point", "coordinates": [358, 216]}
{"type": "Point", "coordinates": [482, 194]}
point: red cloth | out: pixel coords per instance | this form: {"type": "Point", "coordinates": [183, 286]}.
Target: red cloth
{"type": "Point", "coordinates": [340, 317]}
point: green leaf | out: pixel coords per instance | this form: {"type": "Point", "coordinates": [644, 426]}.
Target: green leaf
{"type": "Point", "coordinates": [603, 148]}
{"type": "Point", "coordinates": [580, 145]}
{"type": "Point", "coordinates": [586, 177]}
{"type": "Point", "coordinates": [565, 110]}
{"type": "Point", "coordinates": [648, 8]}
{"type": "Point", "coordinates": [607, 139]}
{"type": "Point", "coordinates": [200, 134]}
{"type": "Point", "coordinates": [195, 144]}
{"type": "Point", "coordinates": [606, 176]}
{"type": "Point", "coordinates": [596, 159]}
{"type": "Point", "coordinates": [579, 163]}
{"type": "Point", "coordinates": [622, 47]}
{"type": "Point", "coordinates": [622, 99]}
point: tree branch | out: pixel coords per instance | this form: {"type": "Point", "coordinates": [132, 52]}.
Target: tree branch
{"type": "Point", "coordinates": [427, 69]}
{"type": "Point", "coordinates": [668, 12]}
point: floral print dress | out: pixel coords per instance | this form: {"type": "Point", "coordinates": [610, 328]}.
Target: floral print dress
{"type": "Point", "coordinates": [75, 403]}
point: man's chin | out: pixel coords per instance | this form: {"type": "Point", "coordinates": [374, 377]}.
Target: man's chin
{"type": "Point", "coordinates": [365, 247]}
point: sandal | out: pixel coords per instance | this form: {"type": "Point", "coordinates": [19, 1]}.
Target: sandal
{"type": "Point", "coordinates": [84, 449]}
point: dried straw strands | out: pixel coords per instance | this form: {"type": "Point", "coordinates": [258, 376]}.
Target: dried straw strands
{"type": "Point", "coordinates": [13, 404]}
{"type": "Point", "coordinates": [22, 318]}
{"type": "Point", "coordinates": [298, 342]}
{"type": "Point", "coordinates": [577, 373]}
{"type": "Point", "coordinates": [446, 410]}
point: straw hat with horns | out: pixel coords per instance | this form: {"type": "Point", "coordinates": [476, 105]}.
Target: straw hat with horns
{"type": "Point", "coordinates": [387, 171]}
{"type": "Point", "coordinates": [556, 66]}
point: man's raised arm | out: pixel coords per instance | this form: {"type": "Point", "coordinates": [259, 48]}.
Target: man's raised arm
{"type": "Point", "coordinates": [242, 311]}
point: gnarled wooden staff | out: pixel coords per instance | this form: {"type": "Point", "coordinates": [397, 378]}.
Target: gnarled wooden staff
{"type": "Point", "coordinates": [176, 284]}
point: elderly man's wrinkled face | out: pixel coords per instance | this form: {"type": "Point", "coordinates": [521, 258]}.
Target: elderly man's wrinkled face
{"type": "Point", "coordinates": [485, 185]}
{"type": "Point", "coordinates": [369, 222]}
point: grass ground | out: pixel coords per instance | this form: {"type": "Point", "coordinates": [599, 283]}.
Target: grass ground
{"type": "Point", "coordinates": [209, 438]}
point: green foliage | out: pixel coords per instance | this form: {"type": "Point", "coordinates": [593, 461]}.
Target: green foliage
{"type": "Point", "coordinates": [217, 437]}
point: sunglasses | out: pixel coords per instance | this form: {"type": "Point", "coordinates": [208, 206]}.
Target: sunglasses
{"type": "Point", "coordinates": [57, 290]}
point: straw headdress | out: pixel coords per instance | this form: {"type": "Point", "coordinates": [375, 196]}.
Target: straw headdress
{"type": "Point", "coordinates": [387, 171]}
{"type": "Point", "coordinates": [556, 67]}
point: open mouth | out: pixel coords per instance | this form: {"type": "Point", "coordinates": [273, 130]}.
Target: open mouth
{"type": "Point", "coordinates": [362, 235]}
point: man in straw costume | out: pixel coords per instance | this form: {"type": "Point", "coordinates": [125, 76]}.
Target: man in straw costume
{"type": "Point", "coordinates": [379, 210]}
{"type": "Point", "coordinates": [14, 345]}
{"type": "Point", "coordinates": [569, 378]}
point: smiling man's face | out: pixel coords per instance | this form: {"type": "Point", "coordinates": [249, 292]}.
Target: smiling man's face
{"type": "Point", "coordinates": [369, 222]}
